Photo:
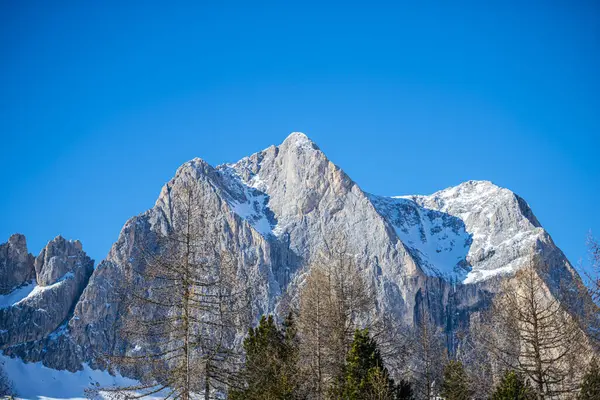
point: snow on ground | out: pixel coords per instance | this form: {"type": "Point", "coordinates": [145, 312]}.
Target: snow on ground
{"type": "Point", "coordinates": [35, 381]}
{"type": "Point", "coordinates": [17, 295]}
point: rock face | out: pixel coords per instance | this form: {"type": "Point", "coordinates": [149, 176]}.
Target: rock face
{"type": "Point", "coordinates": [16, 264]}
{"type": "Point", "coordinates": [470, 232]}
{"type": "Point", "coordinates": [62, 272]}
{"type": "Point", "coordinates": [276, 210]}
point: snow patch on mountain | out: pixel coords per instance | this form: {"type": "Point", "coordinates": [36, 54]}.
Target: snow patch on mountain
{"type": "Point", "coordinates": [501, 226]}
{"type": "Point", "coordinates": [248, 199]}
{"type": "Point", "coordinates": [438, 241]}
{"type": "Point", "coordinates": [16, 295]}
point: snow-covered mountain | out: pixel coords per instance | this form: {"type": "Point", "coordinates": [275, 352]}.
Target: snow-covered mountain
{"type": "Point", "coordinates": [470, 232]}
{"type": "Point", "coordinates": [276, 209]}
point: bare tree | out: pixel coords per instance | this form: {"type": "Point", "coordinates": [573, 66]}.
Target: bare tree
{"type": "Point", "coordinates": [314, 330]}
{"type": "Point", "coordinates": [184, 305]}
{"type": "Point", "coordinates": [594, 250]}
{"type": "Point", "coordinates": [531, 332]}
{"type": "Point", "coordinates": [334, 301]}
{"type": "Point", "coordinates": [428, 357]}
{"type": "Point", "coordinates": [478, 363]}
{"type": "Point", "coordinates": [594, 274]}
{"type": "Point", "coordinates": [380, 387]}
{"type": "Point", "coordinates": [592, 308]}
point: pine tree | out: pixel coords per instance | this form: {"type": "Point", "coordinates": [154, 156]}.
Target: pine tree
{"type": "Point", "coordinates": [404, 391]}
{"type": "Point", "coordinates": [456, 382]}
{"type": "Point", "coordinates": [366, 377]}
{"type": "Point", "coordinates": [590, 387]}
{"type": "Point", "coordinates": [290, 374]}
{"type": "Point", "coordinates": [271, 358]}
{"type": "Point", "coordinates": [513, 387]}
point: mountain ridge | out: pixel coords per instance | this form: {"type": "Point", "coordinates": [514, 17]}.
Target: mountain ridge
{"type": "Point", "coordinates": [275, 210]}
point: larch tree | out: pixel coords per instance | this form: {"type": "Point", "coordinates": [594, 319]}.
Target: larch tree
{"type": "Point", "coordinates": [334, 300]}
{"type": "Point", "coordinates": [594, 276]}
{"type": "Point", "coordinates": [428, 357]}
{"type": "Point", "coordinates": [314, 330]}
{"type": "Point", "coordinates": [475, 358]}
{"type": "Point", "coordinates": [531, 332]}
{"type": "Point", "coordinates": [184, 305]}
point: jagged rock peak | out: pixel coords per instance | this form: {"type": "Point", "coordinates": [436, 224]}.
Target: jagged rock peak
{"type": "Point", "coordinates": [196, 165]}
{"type": "Point", "coordinates": [62, 270]}
{"type": "Point", "coordinates": [502, 230]}
{"type": "Point", "coordinates": [16, 264]}
{"type": "Point", "coordinates": [59, 257]}
{"type": "Point", "coordinates": [467, 191]}
{"type": "Point", "coordinates": [299, 140]}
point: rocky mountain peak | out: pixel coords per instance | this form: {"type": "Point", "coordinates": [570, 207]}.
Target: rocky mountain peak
{"type": "Point", "coordinates": [276, 210]}
{"type": "Point", "coordinates": [16, 264]}
{"type": "Point", "coordinates": [59, 257]}
{"type": "Point", "coordinates": [298, 140]}
{"type": "Point", "coordinates": [60, 274]}
{"type": "Point", "coordinates": [485, 229]}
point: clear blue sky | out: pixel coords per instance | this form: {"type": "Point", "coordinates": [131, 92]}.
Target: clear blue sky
{"type": "Point", "coordinates": [100, 102]}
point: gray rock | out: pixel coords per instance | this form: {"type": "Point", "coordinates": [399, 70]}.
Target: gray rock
{"type": "Point", "coordinates": [276, 211]}
{"type": "Point", "coordinates": [58, 258]}
{"type": "Point", "coordinates": [63, 270]}
{"type": "Point", "coordinates": [16, 264]}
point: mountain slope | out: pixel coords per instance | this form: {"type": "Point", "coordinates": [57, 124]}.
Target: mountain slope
{"type": "Point", "coordinates": [277, 210]}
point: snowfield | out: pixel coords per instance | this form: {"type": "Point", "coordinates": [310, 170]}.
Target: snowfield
{"type": "Point", "coordinates": [17, 295]}
{"type": "Point", "coordinates": [34, 381]}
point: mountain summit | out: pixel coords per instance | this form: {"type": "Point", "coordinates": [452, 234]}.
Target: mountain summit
{"type": "Point", "coordinates": [276, 210]}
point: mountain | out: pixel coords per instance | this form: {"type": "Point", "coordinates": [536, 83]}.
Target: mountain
{"type": "Point", "coordinates": [276, 209]}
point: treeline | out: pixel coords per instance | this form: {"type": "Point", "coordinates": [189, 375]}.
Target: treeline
{"type": "Point", "coordinates": [186, 304]}
{"type": "Point", "coordinates": [272, 371]}
{"type": "Point", "coordinates": [527, 346]}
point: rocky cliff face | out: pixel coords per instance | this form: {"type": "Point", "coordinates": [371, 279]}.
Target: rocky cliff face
{"type": "Point", "coordinates": [34, 311]}
{"type": "Point", "coordinates": [276, 210]}
{"type": "Point", "coordinates": [16, 264]}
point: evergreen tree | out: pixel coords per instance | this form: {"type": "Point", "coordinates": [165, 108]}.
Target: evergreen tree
{"type": "Point", "coordinates": [366, 377]}
{"type": "Point", "coordinates": [404, 391]}
{"type": "Point", "coordinates": [512, 386]}
{"type": "Point", "coordinates": [456, 382]}
{"type": "Point", "coordinates": [271, 358]}
{"type": "Point", "coordinates": [590, 387]}
{"type": "Point", "coordinates": [290, 355]}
